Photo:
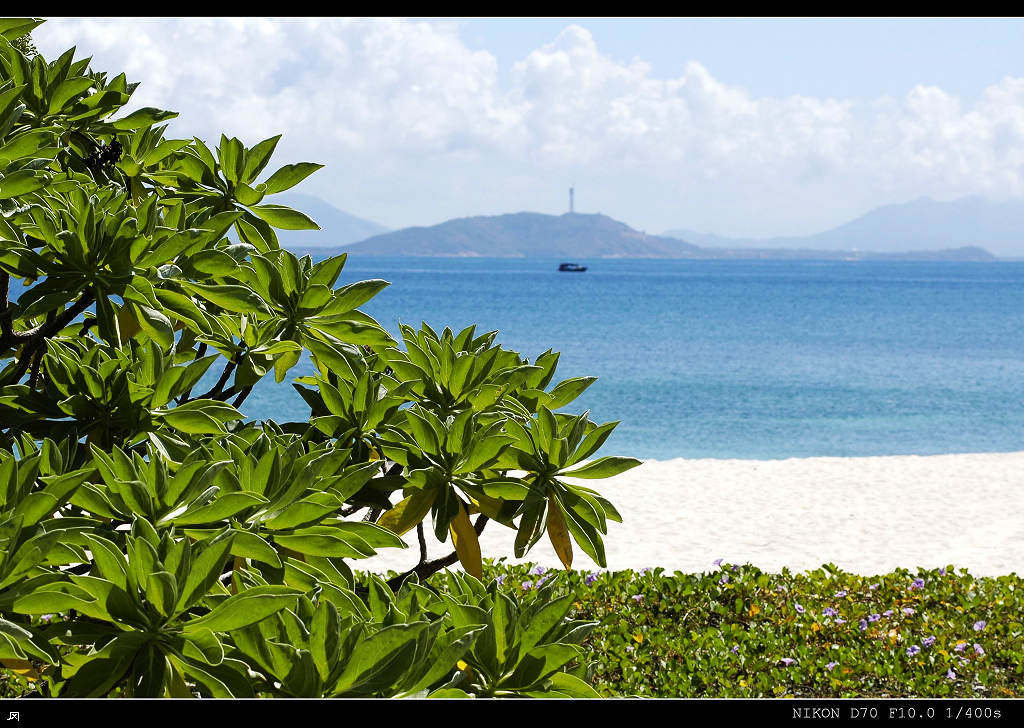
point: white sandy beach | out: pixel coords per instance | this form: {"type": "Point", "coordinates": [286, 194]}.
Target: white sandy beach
{"type": "Point", "coordinates": [866, 515]}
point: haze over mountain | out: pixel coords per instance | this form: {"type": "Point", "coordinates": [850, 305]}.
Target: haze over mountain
{"type": "Point", "coordinates": [920, 225]}
{"type": "Point", "coordinates": [586, 236]}
{"type": "Point", "coordinates": [337, 226]}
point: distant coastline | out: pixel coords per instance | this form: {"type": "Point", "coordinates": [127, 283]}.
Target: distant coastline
{"type": "Point", "coordinates": [937, 256]}
{"type": "Point", "coordinates": [970, 229]}
{"type": "Point", "coordinates": [575, 236]}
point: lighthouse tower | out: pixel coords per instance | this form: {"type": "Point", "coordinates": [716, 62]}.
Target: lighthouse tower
{"type": "Point", "coordinates": [570, 200]}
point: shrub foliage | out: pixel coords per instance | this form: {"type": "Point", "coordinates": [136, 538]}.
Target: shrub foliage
{"type": "Point", "coordinates": [739, 632]}
{"type": "Point", "coordinates": [152, 540]}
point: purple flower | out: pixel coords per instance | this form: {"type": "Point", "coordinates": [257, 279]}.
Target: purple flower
{"type": "Point", "coordinates": [45, 618]}
{"type": "Point", "coordinates": [637, 598]}
{"type": "Point", "coordinates": [527, 585]}
{"type": "Point", "coordinates": [918, 584]}
{"type": "Point", "coordinates": [908, 610]}
{"type": "Point", "coordinates": [874, 617]}
{"type": "Point", "coordinates": [646, 570]}
{"type": "Point", "coordinates": [913, 650]}
{"type": "Point", "coordinates": [950, 675]}
{"type": "Point", "coordinates": [500, 580]}
{"type": "Point", "coordinates": [979, 625]}
{"type": "Point", "coordinates": [840, 620]}
{"type": "Point", "coordinates": [591, 578]}
{"type": "Point", "coordinates": [887, 613]}
{"type": "Point", "coordinates": [863, 624]}
{"type": "Point", "coordinates": [831, 666]}
{"type": "Point", "coordinates": [942, 572]}
{"type": "Point", "coordinates": [799, 608]}
{"type": "Point", "coordinates": [928, 641]}
{"type": "Point", "coordinates": [725, 578]}
{"type": "Point", "coordinates": [734, 567]}
{"type": "Point", "coordinates": [538, 570]}
{"type": "Point", "coordinates": [979, 650]}
{"type": "Point", "coordinates": [787, 661]}
{"type": "Point", "coordinates": [829, 612]}
{"type": "Point", "coordinates": [735, 649]}
{"type": "Point", "coordinates": [540, 581]}
{"type": "Point", "coordinates": [840, 594]}
{"type": "Point", "coordinates": [873, 587]}
{"type": "Point", "coordinates": [960, 647]}
{"type": "Point", "coordinates": [717, 562]}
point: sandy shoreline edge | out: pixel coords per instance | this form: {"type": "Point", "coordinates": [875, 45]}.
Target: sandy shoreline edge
{"type": "Point", "coordinates": [866, 515]}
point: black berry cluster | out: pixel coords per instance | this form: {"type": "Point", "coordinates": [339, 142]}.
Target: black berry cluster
{"type": "Point", "coordinates": [104, 156]}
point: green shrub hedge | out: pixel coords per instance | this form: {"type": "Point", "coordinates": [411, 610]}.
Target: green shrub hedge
{"type": "Point", "coordinates": [737, 631]}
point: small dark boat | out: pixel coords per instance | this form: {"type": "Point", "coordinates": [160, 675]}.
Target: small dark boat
{"type": "Point", "coordinates": [571, 268]}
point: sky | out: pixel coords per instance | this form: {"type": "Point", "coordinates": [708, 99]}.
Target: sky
{"type": "Point", "coordinates": [739, 127]}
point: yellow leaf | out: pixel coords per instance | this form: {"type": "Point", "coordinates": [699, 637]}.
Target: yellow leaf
{"type": "Point", "coordinates": [21, 667]}
{"type": "Point", "coordinates": [462, 665]}
{"type": "Point", "coordinates": [638, 637]}
{"type": "Point", "coordinates": [374, 455]}
{"type": "Point", "coordinates": [491, 507]}
{"type": "Point", "coordinates": [467, 546]}
{"type": "Point", "coordinates": [408, 512]}
{"type": "Point", "coordinates": [127, 323]}
{"type": "Point", "coordinates": [558, 533]}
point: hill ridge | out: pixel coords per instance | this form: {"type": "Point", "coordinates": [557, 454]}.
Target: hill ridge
{"type": "Point", "coordinates": [592, 235]}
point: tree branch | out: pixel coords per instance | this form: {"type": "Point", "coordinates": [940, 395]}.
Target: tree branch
{"type": "Point", "coordinates": [218, 388]}
{"type": "Point", "coordinates": [242, 397]}
{"type": "Point", "coordinates": [40, 334]}
{"type": "Point", "coordinates": [429, 568]}
{"type": "Point", "coordinates": [423, 543]}
{"type": "Point", "coordinates": [34, 376]}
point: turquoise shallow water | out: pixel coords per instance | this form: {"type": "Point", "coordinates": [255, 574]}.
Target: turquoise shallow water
{"type": "Point", "coordinates": [743, 359]}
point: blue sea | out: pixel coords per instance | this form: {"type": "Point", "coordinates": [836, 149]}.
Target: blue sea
{"type": "Point", "coordinates": [741, 359]}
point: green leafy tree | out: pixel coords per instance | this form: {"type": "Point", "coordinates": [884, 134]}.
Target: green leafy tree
{"type": "Point", "coordinates": [152, 540]}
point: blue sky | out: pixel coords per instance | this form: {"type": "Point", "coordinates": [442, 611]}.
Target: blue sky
{"type": "Point", "coordinates": [847, 58]}
{"type": "Point", "coordinates": [737, 127]}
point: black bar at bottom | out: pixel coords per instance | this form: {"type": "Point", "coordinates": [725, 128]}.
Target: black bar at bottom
{"type": "Point", "coordinates": [34, 713]}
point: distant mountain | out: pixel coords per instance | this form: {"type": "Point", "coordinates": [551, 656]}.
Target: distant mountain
{"type": "Point", "coordinates": [338, 228]}
{"type": "Point", "coordinates": [580, 236]}
{"type": "Point", "coordinates": [921, 225]}
{"type": "Point", "coordinates": [528, 234]}
{"type": "Point", "coordinates": [966, 254]}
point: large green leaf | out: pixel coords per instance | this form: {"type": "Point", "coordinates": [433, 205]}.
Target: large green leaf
{"type": "Point", "coordinates": [142, 118]}
{"type": "Point", "coordinates": [289, 176]}
{"type": "Point", "coordinates": [284, 218]}
{"type": "Point", "coordinates": [604, 467]}
{"type": "Point", "coordinates": [251, 606]}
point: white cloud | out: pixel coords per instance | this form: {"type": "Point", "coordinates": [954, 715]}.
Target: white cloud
{"type": "Point", "coordinates": [416, 127]}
